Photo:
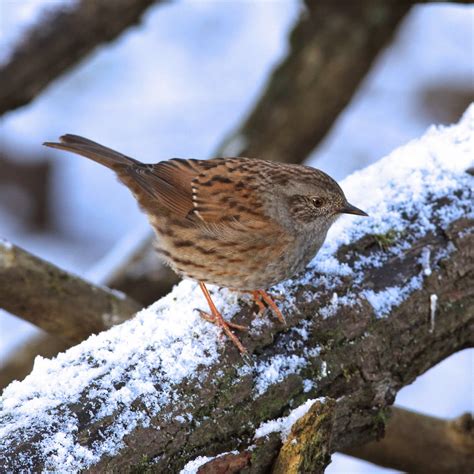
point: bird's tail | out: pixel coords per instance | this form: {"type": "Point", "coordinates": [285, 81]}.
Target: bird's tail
{"type": "Point", "coordinates": [92, 150]}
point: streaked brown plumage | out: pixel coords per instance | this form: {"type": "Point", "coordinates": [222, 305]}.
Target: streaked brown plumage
{"type": "Point", "coordinates": [241, 223]}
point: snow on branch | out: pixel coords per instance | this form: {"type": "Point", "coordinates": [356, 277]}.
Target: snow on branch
{"type": "Point", "coordinates": [163, 388]}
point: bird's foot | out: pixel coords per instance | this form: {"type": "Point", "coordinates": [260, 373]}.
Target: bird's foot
{"type": "Point", "coordinates": [216, 318]}
{"type": "Point", "coordinates": [260, 296]}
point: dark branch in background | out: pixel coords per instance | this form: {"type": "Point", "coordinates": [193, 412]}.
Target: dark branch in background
{"type": "Point", "coordinates": [56, 301]}
{"type": "Point", "coordinates": [142, 274]}
{"type": "Point", "coordinates": [331, 49]}
{"type": "Point", "coordinates": [418, 443]}
{"type": "Point", "coordinates": [30, 178]}
{"type": "Point", "coordinates": [61, 41]}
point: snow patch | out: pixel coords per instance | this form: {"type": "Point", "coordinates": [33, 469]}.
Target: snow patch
{"type": "Point", "coordinates": [276, 370]}
{"type": "Point", "coordinates": [193, 466]}
{"type": "Point", "coordinates": [383, 301]}
{"type": "Point", "coordinates": [283, 425]}
{"type": "Point", "coordinates": [433, 306]}
{"type": "Point", "coordinates": [5, 244]}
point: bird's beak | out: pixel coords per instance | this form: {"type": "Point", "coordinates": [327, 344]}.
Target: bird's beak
{"type": "Point", "coordinates": [350, 209]}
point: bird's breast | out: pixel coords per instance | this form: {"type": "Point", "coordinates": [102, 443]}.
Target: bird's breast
{"type": "Point", "coordinates": [243, 260]}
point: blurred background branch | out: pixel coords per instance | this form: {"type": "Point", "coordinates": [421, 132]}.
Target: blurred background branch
{"type": "Point", "coordinates": [331, 48]}
{"type": "Point", "coordinates": [414, 442]}
{"type": "Point", "coordinates": [20, 363]}
{"type": "Point", "coordinates": [56, 301]}
{"type": "Point", "coordinates": [29, 181]}
{"type": "Point", "coordinates": [60, 41]}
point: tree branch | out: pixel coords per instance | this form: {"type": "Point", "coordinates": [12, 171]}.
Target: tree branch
{"type": "Point", "coordinates": [56, 301]}
{"type": "Point", "coordinates": [331, 49]}
{"type": "Point", "coordinates": [159, 390]}
{"type": "Point", "coordinates": [419, 443]}
{"type": "Point", "coordinates": [412, 443]}
{"type": "Point", "coordinates": [135, 269]}
{"type": "Point", "coordinates": [61, 41]}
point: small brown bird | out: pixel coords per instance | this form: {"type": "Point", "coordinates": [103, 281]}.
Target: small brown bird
{"type": "Point", "coordinates": [240, 223]}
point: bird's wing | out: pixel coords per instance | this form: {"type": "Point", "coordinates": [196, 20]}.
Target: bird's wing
{"type": "Point", "coordinates": [218, 194]}
{"type": "Point", "coordinates": [167, 184]}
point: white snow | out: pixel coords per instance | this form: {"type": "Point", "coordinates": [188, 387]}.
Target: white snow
{"type": "Point", "coordinates": [433, 306]}
{"type": "Point", "coordinates": [383, 301]}
{"type": "Point", "coordinates": [192, 466]}
{"type": "Point", "coordinates": [276, 370]}
{"type": "Point", "coordinates": [145, 358]}
{"type": "Point", "coordinates": [425, 261]}
{"type": "Point", "coordinates": [158, 348]}
{"type": "Point", "coordinates": [399, 184]}
{"type": "Point", "coordinates": [283, 425]}
{"type": "Point", "coordinates": [5, 244]}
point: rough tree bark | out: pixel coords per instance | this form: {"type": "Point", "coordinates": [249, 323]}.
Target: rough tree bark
{"type": "Point", "coordinates": [349, 352]}
{"type": "Point", "coordinates": [56, 301]}
{"type": "Point", "coordinates": [59, 42]}
{"type": "Point", "coordinates": [412, 443]}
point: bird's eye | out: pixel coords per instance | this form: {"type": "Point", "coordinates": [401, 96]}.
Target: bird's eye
{"type": "Point", "coordinates": [317, 202]}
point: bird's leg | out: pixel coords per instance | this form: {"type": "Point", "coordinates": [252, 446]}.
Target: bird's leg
{"type": "Point", "coordinates": [212, 319]}
{"type": "Point", "coordinates": [258, 300]}
{"type": "Point", "coordinates": [216, 318]}
{"type": "Point", "coordinates": [260, 295]}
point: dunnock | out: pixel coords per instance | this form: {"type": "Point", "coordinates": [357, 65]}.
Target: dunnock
{"type": "Point", "coordinates": [240, 223]}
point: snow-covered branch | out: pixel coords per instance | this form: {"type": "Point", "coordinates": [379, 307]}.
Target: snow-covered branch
{"type": "Point", "coordinates": [163, 388]}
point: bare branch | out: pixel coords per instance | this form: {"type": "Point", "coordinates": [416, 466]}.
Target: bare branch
{"type": "Point", "coordinates": [59, 42]}
{"type": "Point", "coordinates": [331, 49]}
{"type": "Point", "coordinates": [419, 443]}
{"type": "Point", "coordinates": [134, 267]}
{"type": "Point", "coordinates": [56, 301]}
